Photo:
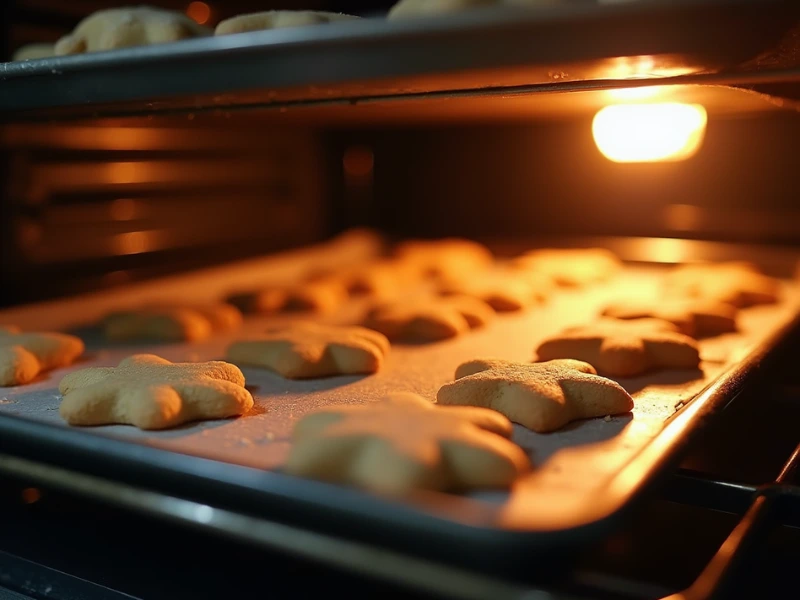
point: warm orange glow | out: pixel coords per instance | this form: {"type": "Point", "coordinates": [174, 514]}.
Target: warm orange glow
{"type": "Point", "coordinates": [133, 242]}
{"type": "Point", "coordinates": [636, 93]}
{"type": "Point", "coordinates": [358, 162]}
{"type": "Point", "coordinates": [649, 132]}
{"type": "Point", "coordinates": [199, 11]}
{"type": "Point", "coordinates": [31, 495]}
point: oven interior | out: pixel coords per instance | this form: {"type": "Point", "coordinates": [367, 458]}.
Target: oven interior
{"type": "Point", "coordinates": [127, 191]}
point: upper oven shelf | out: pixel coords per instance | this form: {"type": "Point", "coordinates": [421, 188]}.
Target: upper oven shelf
{"type": "Point", "coordinates": [569, 47]}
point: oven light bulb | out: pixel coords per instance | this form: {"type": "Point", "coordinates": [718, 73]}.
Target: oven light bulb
{"type": "Point", "coordinates": [629, 133]}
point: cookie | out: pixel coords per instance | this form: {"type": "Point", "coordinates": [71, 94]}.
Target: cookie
{"type": "Point", "coordinates": [126, 27]}
{"type": "Point", "coordinates": [382, 279]}
{"type": "Point", "coordinates": [542, 396]}
{"type": "Point", "coordinates": [573, 267]}
{"type": "Point", "coordinates": [445, 258]}
{"type": "Point", "coordinates": [428, 319]}
{"type": "Point", "coordinates": [305, 350]}
{"type": "Point", "coordinates": [738, 283]}
{"type": "Point", "coordinates": [34, 52]}
{"type": "Point", "coordinates": [503, 290]}
{"type": "Point", "coordinates": [322, 295]}
{"type": "Point", "coordinates": [278, 19]}
{"type": "Point", "coordinates": [24, 356]}
{"type": "Point", "coordinates": [153, 393]}
{"type": "Point", "coordinates": [694, 317]}
{"type": "Point", "coordinates": [624, 348]}
{"type": "Point", "coordinates": [171, 323]}
{"type": "Point", "coordinates": [405, 443]}
{"type": "Point", "coordinates": [405, 9]}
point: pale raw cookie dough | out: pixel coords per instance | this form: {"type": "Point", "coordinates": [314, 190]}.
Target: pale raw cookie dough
{"type": "Point", "coordinates": [405, 443]}
{"type": "Point", "coordinates": [738, 283]}
{"type": "Point", "coordinates": [305, 350]}
{"type": "Point", "coordinates": [428, 319]}
{"type": "Point", "coordinates": [696, 317]}
{"type": "Point", "coordinates": [542, 396]}
{"type": "Point", "coordinates": [503, 290]}
{"type": "Point", "coordinates": [278, 19]}
{"type": "Point", "coordinates": [164, 322]}
{"type": "Point", "coordinates": [624, 348]}
{"type": "Point", "coordinates": [126, 27]}
{"type": "Point", "coordinates": [573, 267]}
{"type": "Point", "coordinates": [34, 52]}
{"type": "Point", "coordinates": [24, 356]}
{"type": "Point", "coordinates": [153, 393]}
{"type": "Point", "coordinates": [445, 258]}
{"type": "Point", "coordinates": [405, 9]}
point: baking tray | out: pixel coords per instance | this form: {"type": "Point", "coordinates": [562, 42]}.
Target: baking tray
{"type": "Point", "coordinates": [572, 46]}
{"type": "Point", "coordinates": [587, 475]}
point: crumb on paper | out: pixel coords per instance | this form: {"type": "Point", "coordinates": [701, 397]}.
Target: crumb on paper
{"type": "Point", "coordinates": [680, 405]}
{"type": "Point", "coordinates": [607, 418]}
{"type": "Point", "coordinates": [269, 435]}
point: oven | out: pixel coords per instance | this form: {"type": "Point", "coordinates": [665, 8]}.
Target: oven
{"type": "Point", "coordinates": [666, 132]}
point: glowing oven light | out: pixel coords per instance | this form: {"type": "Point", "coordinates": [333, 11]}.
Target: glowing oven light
{"type": "Point", "coordinates": [628, 133]}
{"type": "Point", "coordinates": [199, 12]}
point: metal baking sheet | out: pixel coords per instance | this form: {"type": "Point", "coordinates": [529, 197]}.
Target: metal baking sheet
{"type": "Point", "coordinates": [569, 46]}
{"type": "Point", "coordinates": [577, 468]}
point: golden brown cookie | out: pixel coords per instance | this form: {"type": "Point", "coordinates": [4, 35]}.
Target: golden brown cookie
{"type": "Point", "coordinates": [445, 258]}
{"type": "Point", "coordinates": [541, 396]}
{"type": "Point", "coordinates": [168, 322]}
{"type": "Point", "coordinates": [152, 393]}
{"type": "Point", "coordinates": [502, 289]}
{"type": "Point", "coordinates": [320, 295]}
{"type": "Point", "coordinates": [428, 319]}
{"type": "Point", "coordinates": [573, 267]}
{"type": "Point", "coordinates": [382, 279]}
{"type": "Point", "coordinates": [305, 350]}
{"type": "Point", "coordinates": [738, 283]}
{"type": "Point", "coordinates": [125, 27]}
{"type": "Point", "coordinates": [405, 443]}
{"type": "Point", "coordinates": [278, 19]}
{"type": "Point", "coordinates": [697, 317]}
{"type": "Point", "coordinates": [624, 348]}
{"type": "Point", "coordinates": [23, 356]}
{"type": "Point", "coordinates": [405, 9]}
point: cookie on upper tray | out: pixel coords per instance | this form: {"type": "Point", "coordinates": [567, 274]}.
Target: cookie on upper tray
{"type": "Point", "coordinates": [126, 27]}
{"type": "Point", "coordinates": [540, 396]}
{"type": "Point", "coordinates": [278, 19]}
{"type": "Point", "coordinates": [405, 9]}
{"type": "Point", "coordinates": [171, 322]}
{"type": "Point", "coordinates": [428, 319]}
{"type": "Point", "coordinates": [151, 392]}
{"type": "Point", "coordinates": [570, 267]}
{"type": "Point", "coordinates": [696, 317]}
{"type": "Point", "coordinates": [739, 283]}
{"type": "Point", "coordinates": [445, 258]}
{"type": "Point", "coordinates": [304, 350]}
{"type": "Point", "coordinates": [624, 348]}
{"type": "Point", "coordinates": [404, 443]}
{"type": "Point", "coordinates": [24, 356]}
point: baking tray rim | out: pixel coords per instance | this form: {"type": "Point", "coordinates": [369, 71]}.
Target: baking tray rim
{"type": "Point", "coordinates": [317, 505]}
{"type": "Point", "coordinates": [343, 42]}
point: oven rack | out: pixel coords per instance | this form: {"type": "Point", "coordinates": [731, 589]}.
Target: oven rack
{"type": "Point", "coordinates": [503, 51]}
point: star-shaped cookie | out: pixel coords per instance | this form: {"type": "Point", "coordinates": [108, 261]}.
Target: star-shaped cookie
{"type": "Point", "coordinates": [447, 257]}
{"type": "Point", "coordinates": [125, 27]}
{"type": "Point", "coordinates": [571, 267]}
{"type": "Point", "coordinates": [304, 350]}
{"type": "Point", "coordinates": [171, 322]}
{"type": "Point", "coordinates": [428, 319]}
{"type": "Point", "coordinates": [738, 283]}
{"type": "Point", "coordinates": [23, 356]}
{"type": "Point", "coordinates": [696, 317]}
{"type": "Point", "coordinates": [321, 295]}
{"type": "Point", "coordinates": [541, 396]}
{"type": "Point", "coordinates": [153, 393]}
{"type": "Point", "coordinates": [624, 348]}
{"type": "Point", "coordinates": [404, 443]}
{"type": "Point", "coordinates": [502, 289]}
